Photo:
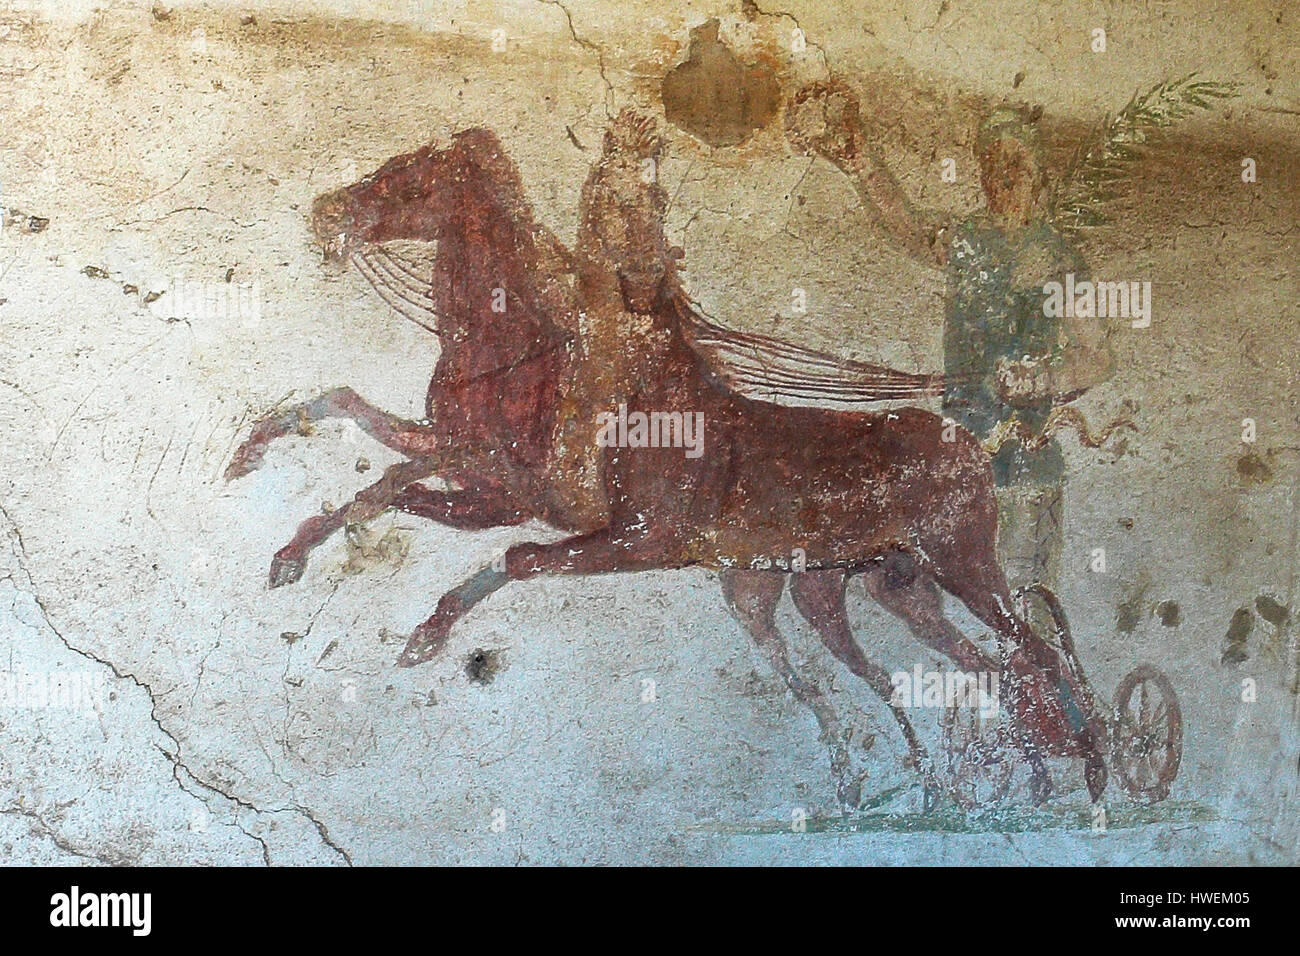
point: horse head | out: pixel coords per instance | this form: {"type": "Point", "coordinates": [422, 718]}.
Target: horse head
{"type": "Point", "coordinates": [412, 195]}
{"type": "Point", "coordinates": [467, 197]}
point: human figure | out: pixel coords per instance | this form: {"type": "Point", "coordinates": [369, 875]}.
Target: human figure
{"type": "Point", "coordinates": [1004, 359]}
{"type": "Point", "coordinates": [1003, 356]}
{"type": "Point", "coordinates": [622, 262]}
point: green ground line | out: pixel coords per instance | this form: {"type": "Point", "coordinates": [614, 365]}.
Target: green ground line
{"type": "Point", "coordinates": [949, 819]}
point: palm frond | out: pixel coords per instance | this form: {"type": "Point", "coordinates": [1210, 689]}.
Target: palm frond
{"type": "Point", "coordinates": [1102, 169]}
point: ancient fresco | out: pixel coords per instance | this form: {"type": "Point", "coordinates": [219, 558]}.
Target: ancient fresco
{"type": "Point", "coordinates": [529, 433]}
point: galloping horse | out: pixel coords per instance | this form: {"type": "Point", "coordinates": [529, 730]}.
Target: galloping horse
{"type": "Point", "coordinates": [897, 497]}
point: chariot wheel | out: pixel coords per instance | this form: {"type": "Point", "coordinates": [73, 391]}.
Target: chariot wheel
{"type": "Point", "coordinates": [980, 762]}
{"type": "Point", "coordinates": [1146, 734]}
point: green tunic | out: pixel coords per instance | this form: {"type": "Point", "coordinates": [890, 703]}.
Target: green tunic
{"type": "Point", "coordinates": [995, 310]}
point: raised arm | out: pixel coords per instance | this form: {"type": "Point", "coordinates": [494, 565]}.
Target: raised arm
{"type": "Point", "coordinates": [823, 119]}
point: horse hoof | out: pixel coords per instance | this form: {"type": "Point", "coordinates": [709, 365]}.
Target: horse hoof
{"type": "Point", "coordinates": [421, 647]}
{"type": "Point", "coordinates": [286, 570]}
{"type": "Point", "coordinates": [1094, 773]}
{"type": "Point", "coordinates": [1040, 786]}
{"type": "Point", "coordinates": [850, 795]}
{"type": "Point", "coordinates": [247, 459]}
{"type": "Point", "coordinates": [413, 653]}
{"type": "Point", "coordinates": [238, 468]}
{"type": "Point", "coordinates": [930, 795]}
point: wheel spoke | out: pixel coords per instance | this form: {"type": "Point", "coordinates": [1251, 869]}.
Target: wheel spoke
{"type": "Point", "coordinates": [1132, 733]}
{"type": "Point", "coordinates": [1164, 755]}
{"type": "Point", "coordinates": [1153, 767]}
{"type": "Point", "coordinates": [1142, 772]}
{"type": "Point", "coordinates": [1159, 716]}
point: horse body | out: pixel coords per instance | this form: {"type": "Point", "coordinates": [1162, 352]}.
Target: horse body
{"type": "Point", "coordinates": [829, 493]}
{"type": "Point", "coordinates": [836, 488]}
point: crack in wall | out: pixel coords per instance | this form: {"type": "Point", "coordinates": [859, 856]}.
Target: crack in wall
{"type": "Point", "coordinates": [590, 46]}
{"type": "Point", "coordinates": [51, 834]}
{"type": "Point", "coordinates": [749, 7]}
{"type": "Point", "coordinates": [196, 784]}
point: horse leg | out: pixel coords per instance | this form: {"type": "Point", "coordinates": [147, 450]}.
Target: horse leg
{"type": "Point", "coordinates": [900, 587]}
{"type": "Point", "coordinates": [407, 437]}
{"type": "Point", "coordinates": [470, 510]}
{"type": "Point", "coordinates": [476, 510]}
{"type": "Point", "coordinates": [752, 597]}
{"type": "Point", "coordinates": [290, 561]}
{"type": "Point", "coordinates": [596, 552]}
{"type": "Point", "coordinates": [982, 587]}
{"type": "Point", "coordinates": [819, 596]}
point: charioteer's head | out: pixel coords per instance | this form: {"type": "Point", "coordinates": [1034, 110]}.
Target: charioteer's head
{"type": "Point", "coordinates": [1011, 173]}
{"type": "Point", "coordinates": [623, 212]}
{"type": "Point", "coordinates": [822, 119]}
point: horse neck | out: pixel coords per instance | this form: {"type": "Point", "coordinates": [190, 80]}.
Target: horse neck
{"type": "Point", "coordinates": [476, 338]}
{"type": "Point", "coordinates": [497, 382]}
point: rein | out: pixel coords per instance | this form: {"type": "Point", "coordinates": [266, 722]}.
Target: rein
{"type": "Point", "coordinates": [396, 280]}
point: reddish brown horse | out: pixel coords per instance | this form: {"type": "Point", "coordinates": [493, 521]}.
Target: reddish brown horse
{"type": "Point", "coordinates": [828, 494]}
